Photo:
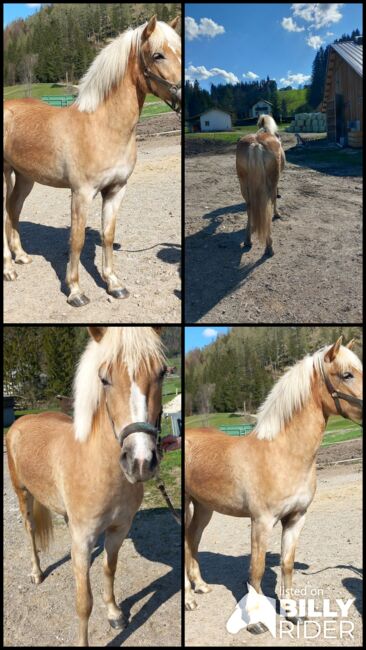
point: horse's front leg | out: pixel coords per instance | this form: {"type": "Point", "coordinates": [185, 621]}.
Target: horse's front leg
{"type": "Point", "coordinates": [291, 529]}
{"type": "Point", "coordinates": [259, 539]}
{"type": "Point", "coordinates": [80, 203]}
{"type": "Point", "coordinates": [114, 537]}
{"type": "Point", "coordinates": [81, 553]}
{"type": "Point", "coordinates": [112, 198]}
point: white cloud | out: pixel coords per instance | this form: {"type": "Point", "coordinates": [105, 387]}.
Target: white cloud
{"type": "Point", "coordinates": [210, 333]}
{"type": "Point", "coordinates": [330, 34]}
{"type": "Point", "coordinates": [291, 26]}
{"type": "Point", "coordinates": [202, 73]}
{"type": "Point", "coordinates": [315, 42]}
{"type": "Point", "coordinates": [319, 14]}
{"type": "Point", "coordinates": [294, 79]}
{"type": "Point", "coordinates": [250, 75]}
{"type": "Point", "coordinates": [33, 4]}
{"type": "Point", "coordinates": [206, 27]}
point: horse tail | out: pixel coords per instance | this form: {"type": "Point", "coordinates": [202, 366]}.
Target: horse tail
{"type": "Point", "coordinates": [259, 197]}
{"type": "Point", "coordinates": [43, 524]}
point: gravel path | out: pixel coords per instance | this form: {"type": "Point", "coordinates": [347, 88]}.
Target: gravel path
{"type": "Point", "coordinates": [315, 274]}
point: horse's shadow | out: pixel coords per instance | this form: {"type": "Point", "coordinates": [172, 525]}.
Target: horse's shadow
{"type": "Point", "coordinates": [52, 243]}
{"type": "Point", "coordinates": [233, 572]}
{"type": "Point", "coordinates": [214, 263]}
{"type": "Point", "coordinates": [156, 537]}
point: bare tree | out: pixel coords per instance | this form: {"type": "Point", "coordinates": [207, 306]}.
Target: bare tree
{"type": "Point", "coordinates": [26, 70]}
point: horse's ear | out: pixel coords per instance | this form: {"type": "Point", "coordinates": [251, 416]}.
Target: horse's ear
{"type": "Point", "coordinates": [158, 329]}
{"type": "Point", "coordinates": [174, 23]}
{"type": "Point", "coordinates": [333, 351]}
{"type": "Point", "coordinates": [351, 344]}
{"type": "Point", "coordinates": [149, 28]}
{"type": "Point", "coordinates": [97, 332]}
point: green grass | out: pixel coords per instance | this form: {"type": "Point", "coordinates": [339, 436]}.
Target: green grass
{"type": "Point", "coordinates": [230, 137]}
{"type": "Point", "coordinates": [338, 429]}
{"type": "Point", "coordinates": [294, 99]}
{"type": "Point", "coordinates": [41, 90]}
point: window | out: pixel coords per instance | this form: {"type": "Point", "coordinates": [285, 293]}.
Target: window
{"type": "Point", "coordinates": [207, 123]}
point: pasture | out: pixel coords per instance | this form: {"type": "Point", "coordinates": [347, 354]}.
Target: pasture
{"type": "Point", "coordinates": [315, 273]}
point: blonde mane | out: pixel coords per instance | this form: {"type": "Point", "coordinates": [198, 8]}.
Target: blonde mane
{"type": "Point", "coordinates": [292, 391]}
{"type": "Point", "coordinates": [110, 65]}
{"type": "Point", "coordinates": [268, 124]}
{"type": "Point", "coordinates": [135, 347]}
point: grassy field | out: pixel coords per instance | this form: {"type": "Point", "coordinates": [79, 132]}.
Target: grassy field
{"type": "Point", "coordinates": [294, 98]}
{"type": "Point", "coordinates": [153, 106]}
{"type": "Point", "coordinates": [338, 429]}
{"type": "Point", "coordinates": [229, 136]}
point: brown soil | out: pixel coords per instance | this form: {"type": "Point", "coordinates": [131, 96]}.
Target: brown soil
{"type": "Point", "coordinates": [328, 558]}
{"type": "Point", "coordinates": [315, 274]}
{"type": "Point", "coordinates": [147, 245]}
{"type": "Point", "coordinates": [148, 582]}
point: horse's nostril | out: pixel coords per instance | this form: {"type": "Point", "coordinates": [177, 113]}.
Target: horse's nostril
{"type": "Point", "coordinates": [124, 455]}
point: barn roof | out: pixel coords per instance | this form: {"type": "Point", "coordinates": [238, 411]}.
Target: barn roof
{"type": "Point", "coordinates": [351, 53]}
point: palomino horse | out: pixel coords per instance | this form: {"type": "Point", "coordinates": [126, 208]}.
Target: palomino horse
{"type": "Point", "coordinates": [89, 147]}
{"type": "Point", "coordinates": [270, 474]}
{"type": "Point", "coordinates": [259, 161]}
{"type": "Point", "coordinates": [91, 470]}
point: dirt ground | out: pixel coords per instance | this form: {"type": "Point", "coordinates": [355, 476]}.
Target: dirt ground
{"type": "Point", "coordinates": [328, 558]}
{"type": "Point", "coordinates": [148, 585]}
{"type": "Point", "coordinates": [315, 273]}
{"type": "Point", "coordinates": [147, 245]}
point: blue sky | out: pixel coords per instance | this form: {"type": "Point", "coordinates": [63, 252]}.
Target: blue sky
{"type": "Point", "coordinates": [17, 10]}
{"type": "Point", "coordinates": [198, 337]}
{"type": "Point", "coordinates": [227, 43]}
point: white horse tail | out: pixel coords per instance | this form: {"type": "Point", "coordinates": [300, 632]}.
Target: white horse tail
{"type": "Point", "coordinates": [267, 123]}
{"type": "Point", "coordinates": [258, 193]}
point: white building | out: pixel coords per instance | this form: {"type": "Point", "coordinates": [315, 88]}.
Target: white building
{"type": "Point", "coordinates": [262, 107]}
{"type": "Point", "coordinates": [215, 120]}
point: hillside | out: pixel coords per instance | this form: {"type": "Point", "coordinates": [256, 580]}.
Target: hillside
{"type": "Point", "coordinates": [243, 365]}
{"type": "Point", "coordinates": [293, 98]}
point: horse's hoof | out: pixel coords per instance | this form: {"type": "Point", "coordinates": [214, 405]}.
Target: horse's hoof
{"type": "Point", "coordinates": [23, 259]}
{"type": "Point", "coordinates": [10, 275]}
{"type": "Point", "coordinates": [190, 605]}
{"type": "Point", "coordinates": [37, 579]}
{"type": "Point", "coordinates": [257, 628]}
{"type": "Point", "coordinates": [78, 300]}
{"type": "Point", "coordinates": [278, 196]}
{"type": "Point", "coordinates": [276, 216]}
{"type": "Point", "coordinates": [296, 619]}
{"type": "Point", "coordinates": [269, 252]}
{"type": "Point", "coordinates": [118, 623]}
{"type": "Point", "coordinates": [203, 589]}
{"type": "Point", "coordinates": [248, 245]}
{"type": "Point", "coordinates": [118, 293]}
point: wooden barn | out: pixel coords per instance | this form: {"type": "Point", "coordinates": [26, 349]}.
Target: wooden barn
{"type": "Point", "coordinates": [343, 94]}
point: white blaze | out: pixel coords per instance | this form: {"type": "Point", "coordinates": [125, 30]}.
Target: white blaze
{"type": "Point", "coordinates": [138, 410]}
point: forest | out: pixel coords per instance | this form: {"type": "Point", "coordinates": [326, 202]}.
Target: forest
{"type": "Point", "coordinates": [40, 362]}
{"type": "Point", "coordinates": [238, 99]}
{"type": "Point", "coordinates": [62, 39]}
{"type": "Point", "coordinates": [236, 372]}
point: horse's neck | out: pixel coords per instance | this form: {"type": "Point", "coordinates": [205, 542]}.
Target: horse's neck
{"type": "Point", "coordinates": [303, 435]}
{"type": "Point", "coordinates": [122, 108]}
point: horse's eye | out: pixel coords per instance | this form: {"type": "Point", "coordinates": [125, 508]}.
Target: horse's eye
{"type": "Point", "coordinates": [105, 381]}
{"type": "Point", "coordinates": [158, 55]}
{"type": "Point", "coordinates": [347, 375]}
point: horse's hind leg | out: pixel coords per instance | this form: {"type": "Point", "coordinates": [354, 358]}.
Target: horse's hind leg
{"type": "Point", "coordinates": [112, 198]}
{"type": "Point", "coordinates": [114, 537]}
{"type": "Point", "coordinates": [26, 507]}
{"type": "Point", "coordinates": [248, 232]}
{"type": "Point", "coordinates": [14, 204]}
{"type": "Point", "coordinates": [9, 271]}
{"type": "Point", "coordinates": [291, 529]}
{"type": "Point", "coordinates": [200, 519]}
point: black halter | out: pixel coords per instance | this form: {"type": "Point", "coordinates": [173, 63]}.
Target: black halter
{"type": "Point", "coordinates": [337, 395]}
{"type": "Point", "coordinates": [140, 427]}
{"type": "Point", "coordinates": [173, 88]}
